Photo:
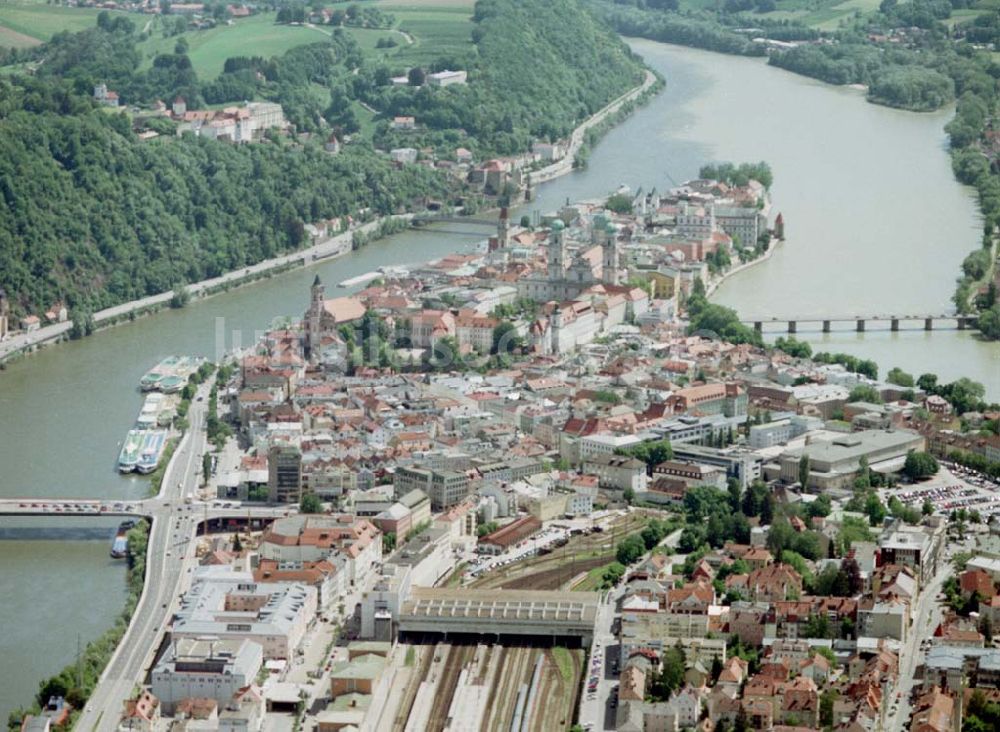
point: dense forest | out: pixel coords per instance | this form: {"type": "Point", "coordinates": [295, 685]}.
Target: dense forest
{"type": "Point", "coordinates": [95, 217]}
{"type": "Point", "coordinates": [563, 67]}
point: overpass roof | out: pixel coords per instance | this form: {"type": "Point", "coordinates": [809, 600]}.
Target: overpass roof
{"type": "Point", "coordinates": [575, 608]}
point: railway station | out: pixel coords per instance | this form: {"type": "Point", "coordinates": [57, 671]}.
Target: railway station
{"type": "Point", "coordinates": [566, 618]}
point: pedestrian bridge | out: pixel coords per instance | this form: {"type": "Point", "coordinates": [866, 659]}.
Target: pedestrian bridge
{"type": "Point", "coordinates": [862, 323]}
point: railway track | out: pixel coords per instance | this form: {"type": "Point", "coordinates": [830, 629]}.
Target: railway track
{"type": "Point", "coordinates": [457, 659]}
{"type": "Point", "coordinates": [425, 655]}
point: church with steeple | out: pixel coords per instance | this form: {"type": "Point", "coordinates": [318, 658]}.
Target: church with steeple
{"type": "Point", "coordinates": [570, 272]}
{"type": "Point", "coordinates": [323, 319]}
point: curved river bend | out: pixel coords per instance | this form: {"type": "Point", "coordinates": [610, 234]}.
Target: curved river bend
{"type": "Point", "coordinates": [876, 224]}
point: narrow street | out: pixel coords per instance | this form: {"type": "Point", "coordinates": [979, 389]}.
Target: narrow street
{"type": "Point", "coordinates": [926, 618]}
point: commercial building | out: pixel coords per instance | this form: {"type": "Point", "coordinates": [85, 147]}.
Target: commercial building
{"type": "Point", "coordinates": [284, 473]}
{"type": "Point", "coordinates": [230, 605]}
{"type": "Point", "coordinates": [917, 547]}
{"type": "Point", "coordinates": [744, 465]}
{"type": "Point", "coordinates": [205, 669]}
{"type": "Point", "coordinates": [834, 463]}
{"type": "Point", "coordinates": [781, 431]}
{"type": "Point", "coordinates": [445, 488]}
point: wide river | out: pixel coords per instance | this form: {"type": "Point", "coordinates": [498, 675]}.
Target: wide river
{"type": "Point", "coordinates": [876, 224]}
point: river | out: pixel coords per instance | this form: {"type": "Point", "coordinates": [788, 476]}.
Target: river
{"type": "Point", "coordinates": [874, 218]}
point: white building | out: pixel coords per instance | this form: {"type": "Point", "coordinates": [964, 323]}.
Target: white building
{"type": "Point", "coordinates": [229, 605]}
{"type": "Point", "coordinates": [205, 669]}
{"type": "Point", "coordinates": [447, 78]}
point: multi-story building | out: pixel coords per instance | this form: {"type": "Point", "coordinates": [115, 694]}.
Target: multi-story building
{"type": "Point", "coordinates": [618, 472]}
{"type": "Point", "coordinates": [228, 604]}
{"type": "Point", "coordinates": [445, 488]}
{"type": "Point", "coordinates": [205, 669]}
{"type": "Point", "coordinates": [284, 473]}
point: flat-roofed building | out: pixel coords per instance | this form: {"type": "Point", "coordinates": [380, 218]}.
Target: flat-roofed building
{"type": "Point", "coordinates": [193, 668]}
{"type": "Point", "coordinates": [835, 463]}
{"type": "Point", "coordinates": [229, 605]}
{"type": "Point", "coordinates": [547, 614]}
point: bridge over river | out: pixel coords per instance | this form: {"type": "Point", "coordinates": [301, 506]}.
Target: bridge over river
{"type": "Point", "coordinates": [862, 323]}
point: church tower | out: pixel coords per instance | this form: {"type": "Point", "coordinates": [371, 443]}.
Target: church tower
{"type": "Point", "coordinates": [612, 255]}
{"type": "Point", "coordinates": [557, 251]}
{"type": "Point", "coordinates": [503, 229]}
{"type": "Point", "coordinates": [314, 320]}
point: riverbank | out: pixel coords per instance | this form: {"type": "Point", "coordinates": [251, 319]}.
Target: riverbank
{"type": "Point", "coordinates": [327, 249]}
{"type": "Point", "coordinates": [718, 281]}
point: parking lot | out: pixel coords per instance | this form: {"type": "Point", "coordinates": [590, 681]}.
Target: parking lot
{"type": "Point", "coordinates": [954, 488]}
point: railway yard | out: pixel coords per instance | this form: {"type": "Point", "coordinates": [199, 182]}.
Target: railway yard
{"type": "Point", "coordinates": [561, 567]}
{"type": "Point", "coordinates": [484, 688]}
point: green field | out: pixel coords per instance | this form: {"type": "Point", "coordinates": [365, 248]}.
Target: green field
{"type": "Point", "coordinates": [439, 28]}
{"type": "Point", "coordinates": [26, 23]}
{"type": "Point", "coordinates": [254, 36]}
{"type": "Point", "coordinates": [821, 14]}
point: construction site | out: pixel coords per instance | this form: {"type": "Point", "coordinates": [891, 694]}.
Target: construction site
{"type": "Point", "coordinates": [477, 687]}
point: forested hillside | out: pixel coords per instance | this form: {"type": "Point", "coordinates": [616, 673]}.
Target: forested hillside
{"type": "Point", "coordinates": [94, 217]}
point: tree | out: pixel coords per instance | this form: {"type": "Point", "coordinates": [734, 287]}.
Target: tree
{"type": "Point", "coordinates": [826, 702]}
{"type": "Point", "coordinates": [416, 76]}
{"type": "Point", "coordinates": [742, 722]}
{"type": "Point", "coordinates": [863, 481]}
{"type": "Point", "coordinates": [628, 495]}
{"type": "Point", "coordinates": [619, 203]}
{"type": "Point", "coordinates": [735, 494]}
{"type": "Point", "coordinates": [864, 393]}
{"type": "Point", "coordinates": [388, 542]}
{"type": "Point", "coordinates": [716, 669]}
{"type": "Point", "coordinates": [852, 571]}
{"type": "Point", "coordinates": [899, 377]}
{"type": "Point", "coordinates": [206, 467]}
{"type": "Point", "coordinates": [237, 543]}
{"type": "Point", "coordinates": [986, 628]}
{"type": "Point", "coordinates": [804, 471]}
{"type": "Point", "coordinates": [310, 503]}
{"type": "Point", "coordinates": [506, 339]}
{"type": "Point", "coordinates": [875, 509]}
{"type": "Point", "coordinates": [612, 575]}
{"type": "Point", "coordinates": [630, 549]}
{"type": "Point", "coordinates": [920, 465]}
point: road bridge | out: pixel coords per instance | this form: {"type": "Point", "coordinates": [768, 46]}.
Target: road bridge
{"type": "Point", "coordinates": [863, 323]}
{"type": "Point", "coordinates": [424, 219]}
{"type": "Point", "coordinates": [150, 508]}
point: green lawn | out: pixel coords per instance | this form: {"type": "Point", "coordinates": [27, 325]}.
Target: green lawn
{"type": "Point", "coordinates": [254, 36]}
{"type": "Point", "coordinates": [25, 23]}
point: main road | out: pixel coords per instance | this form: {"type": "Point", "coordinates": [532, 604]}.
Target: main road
{"type": "Point", "coordinates": [169, 557]}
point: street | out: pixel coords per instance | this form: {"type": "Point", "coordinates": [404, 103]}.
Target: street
{"type": "Point", "coordinates": [169, 556]}
{"type": "Point", "coordinates": [926, 618]}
